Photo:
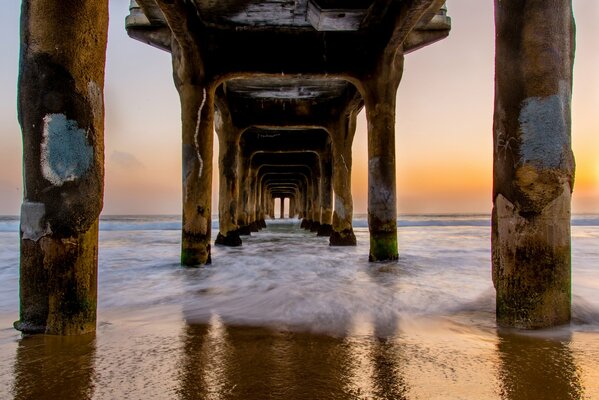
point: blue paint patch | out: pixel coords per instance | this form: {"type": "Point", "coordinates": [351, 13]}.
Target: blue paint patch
{"type": "Point", "coordinates": [545, 133]}
{"type": "Point", "coordinates": [66, 154]}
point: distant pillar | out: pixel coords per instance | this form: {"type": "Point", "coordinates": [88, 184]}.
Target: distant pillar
{"type": "Point", "coordinates": [533, 162]}
{"type": "Point", "coordinates": [379, 97]}
{"type": "Point", "coordinates": [292, 212]}
{"type": "Point", "coordinates": [326, 190]}
{"type": "Point", "coordinates": [307, 217]}
{"type": "Point", "coordinates": [61, 112]}
{"type": "Point", "coordinates": [316, 204]}
{"type": "Point", "coordinates": [271, 207]}
{"type": "Point", "coordinates": [282, 207]}
{"type": "Point", "coordinates": [342, 135]}
{"type": "Point", "coordinates": [253, 206]}
{"type": "Point", "coordinates": [228, 160]}
{"type": "Point", "coordinates": [244, 195]}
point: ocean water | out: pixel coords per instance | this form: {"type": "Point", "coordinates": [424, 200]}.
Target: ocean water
{"type": "Point", "coordinates": [285, 316]}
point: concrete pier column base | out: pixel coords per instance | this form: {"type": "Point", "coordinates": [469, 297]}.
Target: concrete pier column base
{"type": "Point", "coordinates": [59, 284]}
{"type": "Point", "coordinates": [306, 224]}
{"type": "Point", "coordinates": [232, 239]}
{"type": "Point", "coordinates": [383, 246]}
{"type": "Point", "coordinates": [253, 226]}
{"type": "Point", "coordinates": [531, 264]}
{"type": "Point", "coordinates": [315, 226]}
{"type": "Point", "coordinates": [343, 238]}
{"type": "Point", "coordinates": [325, 230]}
{"type": "Point", "coordinates": [244, 230]}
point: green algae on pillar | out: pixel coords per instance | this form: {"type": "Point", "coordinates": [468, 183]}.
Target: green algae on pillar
{"type": "Point", "coordinates": [61, 113]}
{"type": "Point", "coordinates": [533, 163]}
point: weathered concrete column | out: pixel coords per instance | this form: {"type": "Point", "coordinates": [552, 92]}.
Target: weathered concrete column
{"type": "Point", "coordinates": [244, 195]}
{"type": "Point", "coordinates": [196, 93]}
{"type": "Point", "coordinates": [342, 135]}
{"type": "Point", "coordinates": [253, 203]}
{"type": "Point", "coordinates": [326, 192]}
{"type": "Point", "coordinates": [316, 204]}
{"type": "Point", "coordinates": [282, 207]}
{"type": "Point", "coordinates": [292, 212]}
{"type": "Point", "coordinates": [228, 160]}
{"type": "Point", "coordinates": [261, 208]}
{"type": "Point", "coordinates": [533, 162]}
{"type": "Point", "coordinates": [271, 208]}
{"type": "Point", "coordinates": [308, 206]}
{"type": "Point", "coordinates": [380, 90]}
{"type": "Point", "coordinates": [197, 117]}
{"type": "Point", "coordinates": [61, 112]}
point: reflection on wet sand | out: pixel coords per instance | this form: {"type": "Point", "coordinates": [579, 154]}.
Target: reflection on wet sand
{"type": "Point", "coordinates": [235, 362]}
{"type": "Point", "coordinates": [533, 367]}
{"type": "Point", "coordinates": [54, 367]}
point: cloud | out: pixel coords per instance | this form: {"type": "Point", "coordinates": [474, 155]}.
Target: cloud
{"type": "Point", "coordinates": [126, 160]}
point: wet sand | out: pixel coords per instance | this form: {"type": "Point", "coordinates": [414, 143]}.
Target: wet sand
{"type": "Point", "coordinates": [156, 356]}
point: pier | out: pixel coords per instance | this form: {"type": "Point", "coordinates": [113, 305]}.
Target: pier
{"type": "Point", "coordinates": [280, 83]}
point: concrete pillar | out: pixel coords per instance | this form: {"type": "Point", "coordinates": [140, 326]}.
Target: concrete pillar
{"type": "Point", "coordinates": [282, 207]}
{"type": "Point", "coordinates": [228, 160]}
{"type": "Point", "coordinates": [316, 204]}
{"type": "Point", "coordinates": [253, 201]}
{"type": "Point", "coordinates": [271, 207]}
{"type": "Point", "coordinates": [342, 135]}
{"type": "Point", "coordinates": [533, 162]}
{"type": "Point", "coordinates": [61, 112]}
{"type": "Point", "coordinates": [261, 207]}
{"type": "Point", "coordinates": [244, 195]}
{"type": "Point", "coordinates": [308, 198]}
{"type": "Point", "coordinates": [292, 212]}
{"type": "Point", "coordinates": [197, 117]}
{"type": "Point", "coordinates": [380, 91]}
{"type": "Point", "coordinates": [326, 191]}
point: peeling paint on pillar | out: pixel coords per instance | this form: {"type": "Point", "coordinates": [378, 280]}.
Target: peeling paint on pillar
{"type": "Point", "coordinates": [533, 172]}
{"type": "Point", "coordinates": [65, 154]}
{"type": "Point", "coordinates": [61, 113]}
{"type": "Point", "coordinates": [545, 141]}
{"type": "Point", "coordinates": [33, 221]}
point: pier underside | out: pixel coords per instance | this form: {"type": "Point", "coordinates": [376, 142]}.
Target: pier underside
{"type": "Point", "coordinates": [281, 83]}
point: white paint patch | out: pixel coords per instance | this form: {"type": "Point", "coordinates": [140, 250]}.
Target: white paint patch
{"type": "Point", "coordinates": [65, 152]}
{"type": "Point", "coordinates": [94, 94]}
{"type": "Point", "coordinates": [195, 138]}
{"type": "Point", "coordinates": [33, 226]}
{"type": "Point", "coordinates": [545, 138]}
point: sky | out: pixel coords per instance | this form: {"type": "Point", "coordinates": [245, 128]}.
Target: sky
{"type": "Point", "coordinates": [443, 127]}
